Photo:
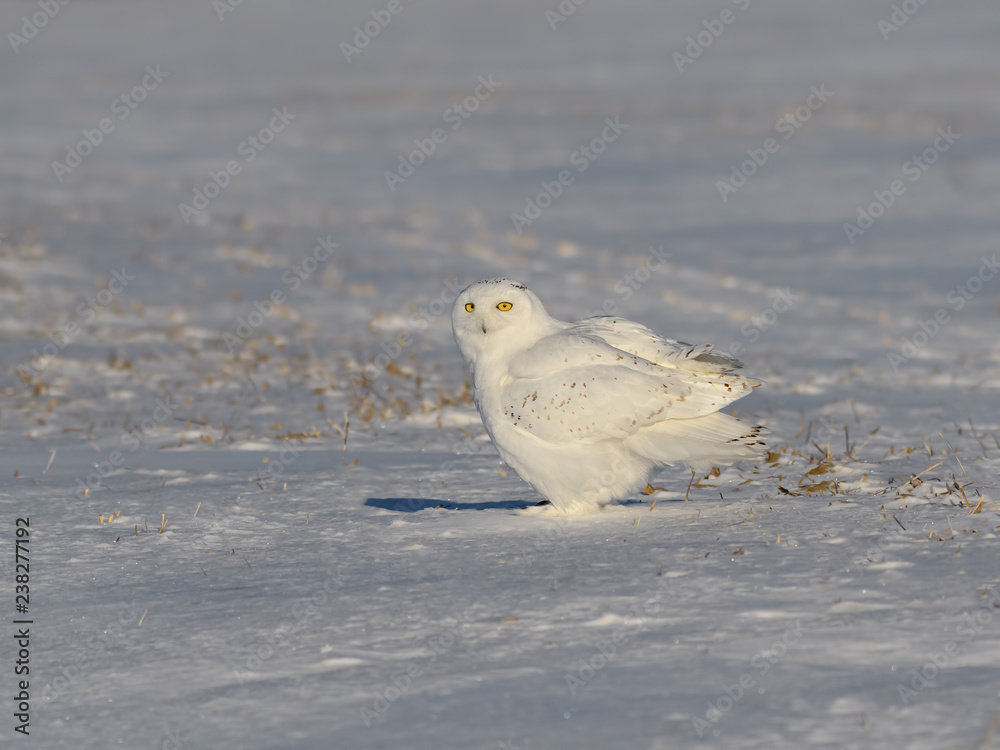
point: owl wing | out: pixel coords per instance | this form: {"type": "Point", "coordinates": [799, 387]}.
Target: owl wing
{"type": "Point", "coordinates": [634, 338]}
{"type": "Point", "coordinates": [571, 386]}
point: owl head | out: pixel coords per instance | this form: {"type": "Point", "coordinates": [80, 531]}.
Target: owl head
{"type": "Point", "coordinates": [497, 316]}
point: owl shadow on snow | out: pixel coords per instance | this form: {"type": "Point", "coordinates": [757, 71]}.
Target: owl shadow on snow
{"type": "Point", "coordinates": [416, 504]}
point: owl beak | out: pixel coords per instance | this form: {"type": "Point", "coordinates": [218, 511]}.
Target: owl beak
{"type": "Point", "coordinates": [484, 327]}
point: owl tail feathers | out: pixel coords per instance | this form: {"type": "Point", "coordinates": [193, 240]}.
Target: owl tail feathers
{"type": "Point", "coordinates": [701, 442]}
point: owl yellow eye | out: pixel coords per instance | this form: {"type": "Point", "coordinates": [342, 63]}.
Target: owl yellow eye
{"type": "Point", "coordinates": [469, 307]}
{"type": "Point", "coordinates": [504, 306]}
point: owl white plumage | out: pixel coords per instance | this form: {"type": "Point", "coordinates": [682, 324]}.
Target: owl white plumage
{"type": "Point", "coordinates": [584, 412]}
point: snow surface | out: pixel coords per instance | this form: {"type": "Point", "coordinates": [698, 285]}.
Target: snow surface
{"type": "Point", "coordinates": [288, 591]}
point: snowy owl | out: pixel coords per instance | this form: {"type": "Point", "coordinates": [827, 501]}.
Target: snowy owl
{"type": "Point", "coordinates": [584, 412]}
